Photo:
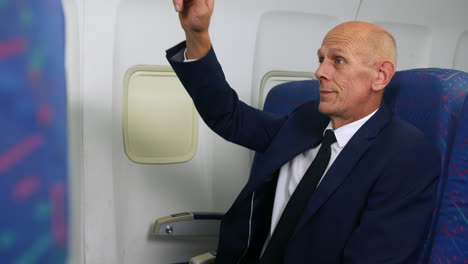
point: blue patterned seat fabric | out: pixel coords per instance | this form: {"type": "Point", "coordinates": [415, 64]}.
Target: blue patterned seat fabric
{"type": "Point", "coordinates": [435, 101]}
{"type": "Point", "coordinates": [450, 235]}
{"type": "Point", "coordinates": [33, 143]}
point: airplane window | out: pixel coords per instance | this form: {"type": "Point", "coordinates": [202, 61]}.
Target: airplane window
{"type": "Point", "coordinates": [160, 122]}
{"type": "Point", "coordinates": [273, 78]}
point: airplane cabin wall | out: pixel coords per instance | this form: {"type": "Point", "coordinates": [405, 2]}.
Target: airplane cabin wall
{"type": "Point", "coordinates": [73, 35]}
{"type": "Point", "coordinates": [427, 32]}
{"type": "Point", "coordinates": [114, 200]}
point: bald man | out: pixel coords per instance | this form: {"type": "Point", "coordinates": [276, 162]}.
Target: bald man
{"type": "Point", "coordinates": [340, 180]}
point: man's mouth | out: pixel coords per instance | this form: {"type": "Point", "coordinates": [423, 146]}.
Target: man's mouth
{"type": "Point", "coordinates": [325, 92]}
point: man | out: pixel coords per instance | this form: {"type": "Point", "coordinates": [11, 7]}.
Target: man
{"type": "Point", "coordinates": [338, 181]}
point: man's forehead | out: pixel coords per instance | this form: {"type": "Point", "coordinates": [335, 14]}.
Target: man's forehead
{"type": "Point", "coordinates": [332, 49]}
{"type": "Point", "coordinates": [344, 42]}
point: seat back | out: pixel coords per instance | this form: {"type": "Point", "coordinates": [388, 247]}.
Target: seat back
{"type": "Point", "coordinates": [33, 143]}
{"type": "Point", "coordinates": [430, 99]}
{"type": "Point", "coordinates": [450, 232]}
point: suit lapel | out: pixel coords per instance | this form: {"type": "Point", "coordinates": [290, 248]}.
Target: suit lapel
{"type": "Point", "coordinates": [301, 132]}
{"type": "Point", "coordinates": [345, 162]}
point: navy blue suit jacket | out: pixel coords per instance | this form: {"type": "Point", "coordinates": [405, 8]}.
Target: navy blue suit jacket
{"type": "Point", "coordinates": [373, 205]}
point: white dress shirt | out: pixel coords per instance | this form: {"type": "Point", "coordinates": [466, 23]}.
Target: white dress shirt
{"type": "Point", "coordinates": [292, 172]}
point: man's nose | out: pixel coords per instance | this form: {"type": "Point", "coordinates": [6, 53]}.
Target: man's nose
{"type": "Point", "coordinates": [321, 72]}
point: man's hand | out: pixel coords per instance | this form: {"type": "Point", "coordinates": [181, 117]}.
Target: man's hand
{"type": "Point", "coordinates": [195, 16]}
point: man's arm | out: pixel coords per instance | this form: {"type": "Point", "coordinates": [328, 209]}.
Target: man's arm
{"type": "Point", "coordinates": [204, 80]}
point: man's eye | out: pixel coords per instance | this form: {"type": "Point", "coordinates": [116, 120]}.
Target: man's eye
{"type": "Point", "coordinates": [320, 60]}
{"type": "Point", "coordinates": [339, 61]}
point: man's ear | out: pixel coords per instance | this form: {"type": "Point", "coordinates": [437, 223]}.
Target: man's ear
{"type": "Point", "coordinates": [385, 72]}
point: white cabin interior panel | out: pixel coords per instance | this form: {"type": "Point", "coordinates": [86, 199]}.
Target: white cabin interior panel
{"type": "Point", "coordinates": [115, 200]}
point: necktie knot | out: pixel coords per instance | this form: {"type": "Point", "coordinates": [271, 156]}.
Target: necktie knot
{"type": "Point", "coordinates": [329, 137]}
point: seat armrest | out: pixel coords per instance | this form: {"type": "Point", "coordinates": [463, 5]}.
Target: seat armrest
{"type": "Point", "coordinates": [188, 224]}
{"type": "Point", "coordinates": [207, 258]}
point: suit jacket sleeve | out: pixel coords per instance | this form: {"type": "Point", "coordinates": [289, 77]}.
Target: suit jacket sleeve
{"type": "Point", "coordinates": [398, 211]}
{"type": "Point", "coordinates": [218, 104]}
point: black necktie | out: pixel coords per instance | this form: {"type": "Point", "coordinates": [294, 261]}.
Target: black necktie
{"type": "Point", "coordinates": [274, 252]}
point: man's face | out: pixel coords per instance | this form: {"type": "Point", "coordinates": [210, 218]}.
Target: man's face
{"type": "Point", "coordinates": [345, 75]}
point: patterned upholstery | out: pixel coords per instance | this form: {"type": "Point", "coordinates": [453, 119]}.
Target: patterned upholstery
{"type": "Point", "coordinates": [33, 143]}
{"type": "Point", "coordinates": [450, 237]}
{"type": "Point", "coordinates": [432, 100]}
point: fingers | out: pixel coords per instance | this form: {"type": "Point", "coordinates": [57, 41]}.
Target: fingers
{"type": "Point", "coordinates": [178, 5]}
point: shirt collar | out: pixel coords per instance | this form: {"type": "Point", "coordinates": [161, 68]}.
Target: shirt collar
{"type": "Point", "coordinates": [345, 133]}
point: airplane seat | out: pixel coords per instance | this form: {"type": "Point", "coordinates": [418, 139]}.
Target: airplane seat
{"type": "Point", "coordinates": [450, 235]}
{"type": "Point", "coordinates": [432, 100]}
{"type": "Point", "coordinates": [33, 142]}
{"type": "Point", "coordinates": [435, 101]}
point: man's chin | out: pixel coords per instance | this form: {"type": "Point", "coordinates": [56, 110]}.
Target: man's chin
{"type": "Point", "coordinates": [325, 109]}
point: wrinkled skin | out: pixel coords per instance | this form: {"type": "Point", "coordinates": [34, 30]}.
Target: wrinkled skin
{"type": "Point", "coordinates": [351, 83]}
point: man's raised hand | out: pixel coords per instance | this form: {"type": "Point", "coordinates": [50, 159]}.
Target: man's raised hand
{"type": "Point", "coordinates": [195, 16]}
